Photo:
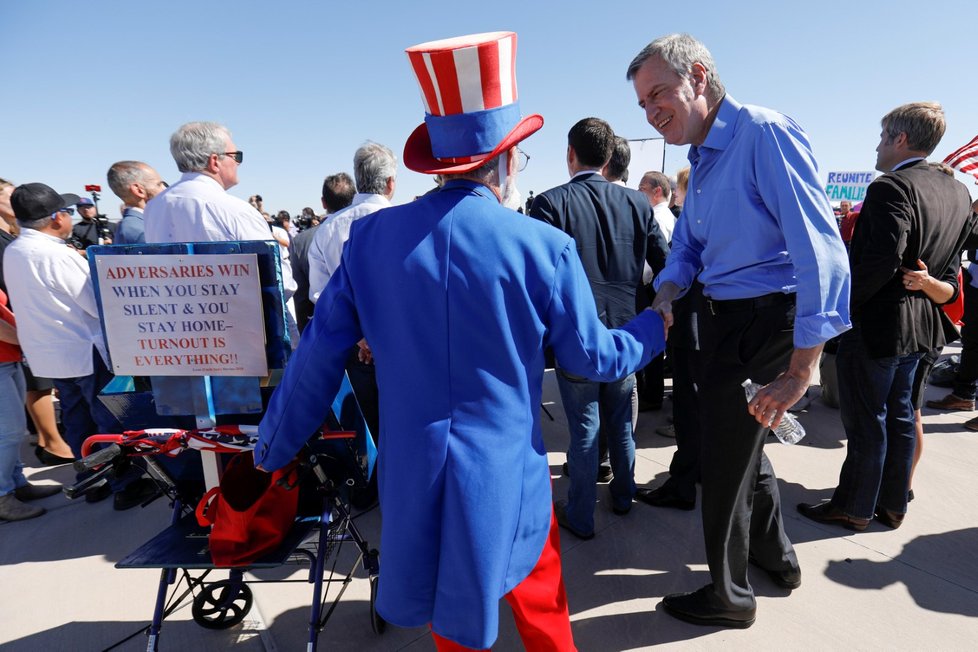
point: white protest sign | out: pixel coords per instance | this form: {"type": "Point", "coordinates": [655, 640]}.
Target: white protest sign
{"type": "Point", "coordinates": [848, 185]}
{"type": "Point", "coordinates": [183, 315]}
{"type": "Point", "coordinates": [647, 155]}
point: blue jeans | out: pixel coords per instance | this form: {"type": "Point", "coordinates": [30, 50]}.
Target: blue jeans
{"type": "Point", "coordinates": [83, 414]}
{"type": "Point", "coordinates": [13, 427]}
{"type": "Point", "coordinates": [875, 398]}
{"type": "Point", "coordinates": [589, 406]}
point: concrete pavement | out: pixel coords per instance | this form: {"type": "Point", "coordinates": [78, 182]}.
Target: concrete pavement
{"type": "Point", "coordinates": [907, 589]}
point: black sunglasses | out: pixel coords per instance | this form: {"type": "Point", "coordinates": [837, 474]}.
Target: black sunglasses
{"type": "Point", "coordinates": [237, 156]}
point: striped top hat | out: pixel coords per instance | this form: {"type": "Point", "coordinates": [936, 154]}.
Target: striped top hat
{"type": "Point", "coordinates": [472, 112]}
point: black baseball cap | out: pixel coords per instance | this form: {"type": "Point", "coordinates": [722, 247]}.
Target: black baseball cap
{"type": "Point", "coordinates": [32, 201]}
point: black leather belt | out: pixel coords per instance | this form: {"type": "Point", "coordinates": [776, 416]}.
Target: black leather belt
{"type": "Point", "coordinates": [718, 307]}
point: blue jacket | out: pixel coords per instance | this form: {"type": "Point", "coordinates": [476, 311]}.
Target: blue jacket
{"type": "Point", "coordinates": [615, 234]}
{"type": "Point", "coordinates": [457, 297]}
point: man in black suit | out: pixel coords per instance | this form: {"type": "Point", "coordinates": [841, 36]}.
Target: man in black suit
{"type": "Point", "coordinates": [913, 225]}
{"type": "Point", "coordinates": [615, 234]}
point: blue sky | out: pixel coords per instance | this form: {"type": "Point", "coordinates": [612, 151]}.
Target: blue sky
{"type": "Point", "coordinates": [302, 84]}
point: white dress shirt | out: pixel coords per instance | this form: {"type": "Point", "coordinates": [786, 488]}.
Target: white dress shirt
{"type": "Point", "coordinates": [198, 209]}
{"type": "Point", "coordinates": [50, 289]}
{"type": "Point", "coordinates": [326, 248]}
{"type": "Point", "coordinates": [665, 219]}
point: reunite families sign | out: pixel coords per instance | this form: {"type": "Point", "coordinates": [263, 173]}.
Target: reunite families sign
{"type": "Point", "coordinates": [183, 315]}
{"type": "Point", "coordinates": [848, 185]}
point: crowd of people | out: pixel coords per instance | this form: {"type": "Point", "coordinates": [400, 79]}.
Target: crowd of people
{"type": "Point", "coordinates": [445, 311]}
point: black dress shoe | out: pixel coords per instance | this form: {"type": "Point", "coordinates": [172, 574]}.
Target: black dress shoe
{"type": "Point", "coordinates": [36, 491]}
{"type": "Point", "coordinates": [560, 512]}
{"type": "Point", "coordinates": [47, 458]}
{"type": "Point", "coordinates": [787, 579]}
{"type": "Point", "coordinates": [621, 511]}
{"type": "Point", "coordinates": [828, 513]}
{"type": "Point", "coordinates": [136, 492]}
{"type": "Point", "coordinates": [605, 474]}
{"type": "Point", "coordinates": [662, 497]}
{"type": "Point", "coordinates": [699, 608]}
{"type": "Point", "coordinates": [888, 518]}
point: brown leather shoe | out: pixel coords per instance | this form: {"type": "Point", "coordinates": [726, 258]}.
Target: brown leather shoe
{"type": "Point", "coordinates": [952, 402]}
{"type": "Point", "coordinates": [828, 513]}
{"type": "Point", "coordinates": [971, 424]}
{"type": "Point", "coordinates": [889, 518]}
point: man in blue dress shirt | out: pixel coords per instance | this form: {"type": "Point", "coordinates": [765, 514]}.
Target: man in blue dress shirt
{"type": "Point", "coordinates": [135, 183]}
{"type": "Point", "coordinates": [758, 232]}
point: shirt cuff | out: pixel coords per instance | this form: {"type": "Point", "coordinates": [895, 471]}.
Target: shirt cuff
{"type": "Point", "coordinates": [681, 274]}
{"type": "Point", "coordinates": [812, 330]}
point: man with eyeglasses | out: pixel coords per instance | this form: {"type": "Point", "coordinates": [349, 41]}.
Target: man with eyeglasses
{"type": "Point", "coordinates": [615, 235]}
{"type": "Point", "coordinates": [135, 183]}
{"type": "Point", "coordinates": [59, 327]}
{"type": "Point", "coordinates": [198, 207]}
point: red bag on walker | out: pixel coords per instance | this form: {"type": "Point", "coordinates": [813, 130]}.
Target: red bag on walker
{"type": "Point", "coordinates": [251, 512]}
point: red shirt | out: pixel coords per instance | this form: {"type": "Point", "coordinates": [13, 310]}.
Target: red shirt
{"type": "Point", "coordinates": [8, 352]}
{"type": "Point", "coordinates": [848, 225]}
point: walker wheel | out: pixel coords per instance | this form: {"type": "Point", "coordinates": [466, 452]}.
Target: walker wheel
{"type": "Point", "coordinates": [378, 624]}
{"type": "Point", "coordinates": [222, 604]}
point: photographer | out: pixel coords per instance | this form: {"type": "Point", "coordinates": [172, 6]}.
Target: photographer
{"type": "Point", "coordinates": [93, 228]}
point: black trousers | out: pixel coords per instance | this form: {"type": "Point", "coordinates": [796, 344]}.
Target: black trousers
{"type": "Point", "coordinates": [684, 470]}
{"type": "Point", "coordinates": [741, 504]}
{"type": "Point", "coordinates": [684, 353]}
{"type": "Point", "coordinates": [967, 377]}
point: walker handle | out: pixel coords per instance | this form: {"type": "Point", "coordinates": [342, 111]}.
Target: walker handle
{"type": "Point", "coordinates": [98, 458]}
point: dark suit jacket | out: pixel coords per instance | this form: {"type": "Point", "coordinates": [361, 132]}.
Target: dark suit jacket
{"type": "Point", "coordinates": [615, 234]}
{"type": "Point", "coordinates": [915, 212]}
{"type": "Point", "coordinates": [299, 255]}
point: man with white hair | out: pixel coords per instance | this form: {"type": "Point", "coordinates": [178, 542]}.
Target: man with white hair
{"type": "Point", "coordinates": [198, 207]}
{"type": "Point", "coordinates": [375, 171]}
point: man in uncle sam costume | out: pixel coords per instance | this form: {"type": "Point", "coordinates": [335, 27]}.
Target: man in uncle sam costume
{"type": "Point", "coordinates": [458, 297]}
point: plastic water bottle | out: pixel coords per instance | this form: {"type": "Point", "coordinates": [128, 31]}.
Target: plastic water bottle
{"type": "Point", "coordinates": [789, 431]}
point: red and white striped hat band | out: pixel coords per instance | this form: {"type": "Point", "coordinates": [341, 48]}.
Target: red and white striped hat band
{"type": "Point", "coordinates": [468, 85]}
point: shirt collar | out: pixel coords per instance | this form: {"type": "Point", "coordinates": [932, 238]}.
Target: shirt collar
{"type": "Point", "coordinates": [586, 172]}
{"type": "Point", "coordinates": [369, 198]}
{"type": "Point", "coordinates": [904, 163]}
{"type": "Point", "coordinates": [202, 178]}
{"type": "Point", "coordinates": [132, 210]}
{"type": "Point", "coordinates": [722, 130]}
{"type": "Point", "coordinates": [34, 233]}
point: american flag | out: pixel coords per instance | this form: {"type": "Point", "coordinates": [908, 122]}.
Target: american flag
{"type": "Point", "coordinates": [965, 159]}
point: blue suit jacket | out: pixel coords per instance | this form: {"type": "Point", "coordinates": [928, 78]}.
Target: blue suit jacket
{"type": "Point", "coordinates": [457, 297]}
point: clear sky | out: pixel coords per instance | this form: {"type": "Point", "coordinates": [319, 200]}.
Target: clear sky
{"type": "Point", "coordinates": [302, 84]}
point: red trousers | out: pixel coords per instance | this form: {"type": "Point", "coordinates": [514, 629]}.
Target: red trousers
{"type": "Point", "coordinates": [539, 605]}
